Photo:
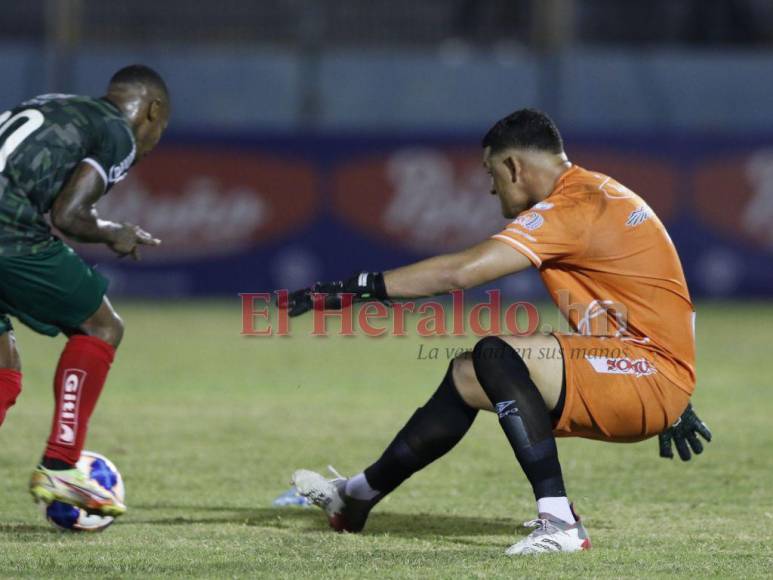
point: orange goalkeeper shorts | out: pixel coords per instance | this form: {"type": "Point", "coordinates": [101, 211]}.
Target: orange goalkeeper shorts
{"type": "Point", "coordinates": [617, 390]}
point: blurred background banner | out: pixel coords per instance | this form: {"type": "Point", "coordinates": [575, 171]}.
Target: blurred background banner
{"type": "Point", "coordinates": [314, 138]}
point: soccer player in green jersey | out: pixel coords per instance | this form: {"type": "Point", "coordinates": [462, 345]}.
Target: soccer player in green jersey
{"type": "Point", "coordinates": [58, 155]}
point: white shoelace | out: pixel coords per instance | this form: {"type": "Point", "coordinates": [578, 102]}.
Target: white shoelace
{"type": "Point", "coordinates": [335, 473]}
{"type": "Point", "coordinates": [540, 524]}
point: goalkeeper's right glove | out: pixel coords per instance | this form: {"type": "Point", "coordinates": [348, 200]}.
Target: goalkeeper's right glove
{"type": "Point", "coordinates": [362, 287]}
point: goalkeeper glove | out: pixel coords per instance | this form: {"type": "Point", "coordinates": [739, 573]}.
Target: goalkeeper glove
{"type": "Point", "coordinates": [363, 286]}
{"type": "Point", "coordinates": [683, 434]}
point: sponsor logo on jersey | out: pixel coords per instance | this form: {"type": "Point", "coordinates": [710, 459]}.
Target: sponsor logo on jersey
{"type": "Point", "coordinates": [531, 221]}
{"type": "Point", "coordinates": [119, 171]}
{"type": "Point", "coordinates": [69, 402]}
{"type": "Point", "coordinates": [639, 367]}
{"type": "Point", "coordinates": [543, 205]}
{"type": "Point", "coordinates": [638, 216]}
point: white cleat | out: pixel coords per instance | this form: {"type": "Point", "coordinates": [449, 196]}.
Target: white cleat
{"type": "Point", "coordinates": [551, 535]}
{"type": "Point", "coordinates": [319, 490]}
{"type": "Point", "coordinates": [344, 513]}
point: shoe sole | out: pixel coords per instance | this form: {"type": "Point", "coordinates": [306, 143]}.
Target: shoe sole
{"type": "Point", "coordinates": [41, 494]}
{"type": "Point", "coordinates": [584, 547]}
{"type": "Point", "coordinates": [318, 491]}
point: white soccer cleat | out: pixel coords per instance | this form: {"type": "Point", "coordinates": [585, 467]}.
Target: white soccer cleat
{"type": "Point", "coordinates": [551, 535]}
{"type": "Point", "coordinates": [344, 513]}
{"type": "Point", "coordinates": [319, 490]}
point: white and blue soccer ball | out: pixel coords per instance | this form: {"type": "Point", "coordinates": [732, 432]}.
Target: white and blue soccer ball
{"type": "Point", "coordinates": [101, 470]}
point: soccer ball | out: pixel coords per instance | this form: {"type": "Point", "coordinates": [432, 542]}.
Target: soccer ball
{"type": "Point", "coordinates": [66, 517]}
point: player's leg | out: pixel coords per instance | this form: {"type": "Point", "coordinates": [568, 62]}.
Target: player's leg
{"type": "Point", "coordinates": [10, 369]}
{"type": "Point", "coordinates": [524, 387]}
{"type": "Point", "coordinates": [523, 379]}
{"type": "Point", "coordinates": [431, 432]}
{"type": "Point", "coordinates": [78, 382]}
{"type": "Point", "coordinates": [80, 375]}
{"type": "Point", "coordinates": [53, 290]}
{"type": "Point", "coordinates": [437, 427]}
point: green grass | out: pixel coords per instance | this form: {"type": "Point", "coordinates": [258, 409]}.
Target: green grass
{"type": "Point", "coordinates": [207, 427]}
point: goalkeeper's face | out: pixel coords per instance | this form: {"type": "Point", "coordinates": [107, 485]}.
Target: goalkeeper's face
{"type": "Point", "coordinates": [509, 181]}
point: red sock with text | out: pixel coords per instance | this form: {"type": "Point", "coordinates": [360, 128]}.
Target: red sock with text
{"type": "Point", "coordinates": [78, 382]}
{"type": "Point", "coordinates": [10, 387]}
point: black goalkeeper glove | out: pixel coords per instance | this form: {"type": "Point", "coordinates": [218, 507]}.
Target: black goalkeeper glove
{"type": "Point", "coordinates": [683, 434]}
{"type": "Point", "coordinates": [363, 286]}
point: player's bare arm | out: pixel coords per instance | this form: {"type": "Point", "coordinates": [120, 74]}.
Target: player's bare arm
{"type": "Point", "coordinates": [482, 263]}
{"type": "Point", "coordinates": [74, 213]}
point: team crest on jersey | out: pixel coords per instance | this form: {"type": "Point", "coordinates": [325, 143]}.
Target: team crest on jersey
{"type": "Point", "coordinates": [639, 367]}
{"type": "Point", "coordinates": [531, 221]}
{"type": "Point", "coordinates": [638, 216]}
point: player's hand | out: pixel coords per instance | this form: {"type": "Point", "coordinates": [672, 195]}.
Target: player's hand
{"type": "Point", "coordinates": [362, 286]}
{"type": "Point", "coordinates": [128, 240]}
{"type": "Point", "coordinates": [684, 433]}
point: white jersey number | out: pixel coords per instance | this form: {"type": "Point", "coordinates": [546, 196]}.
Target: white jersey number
{"type": "Point", "coordinates": [33, 120]}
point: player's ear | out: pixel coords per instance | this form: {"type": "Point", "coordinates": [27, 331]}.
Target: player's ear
{"type": "Point", "coordinates": [512, 167]}
{"type": "Point", "coordinates": [154, 110]}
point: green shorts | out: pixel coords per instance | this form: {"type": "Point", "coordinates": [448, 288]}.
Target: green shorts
{"type": "Point", "coordinates": [49, 291]}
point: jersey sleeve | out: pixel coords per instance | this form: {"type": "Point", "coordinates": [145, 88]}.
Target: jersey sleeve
{"type": "Point", "coordinates": [548, 233]}
{"type": "Point", "coordinates": [113, 153]}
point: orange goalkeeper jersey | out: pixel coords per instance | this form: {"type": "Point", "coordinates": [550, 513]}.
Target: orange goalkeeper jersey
{"type": "Point", "coordinates": [610, 267]}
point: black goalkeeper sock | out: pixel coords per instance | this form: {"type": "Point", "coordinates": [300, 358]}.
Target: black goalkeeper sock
{"type": "Point", "coordinates": [522, 413]}
{"type": "Point", "coordinates": [430, 433]}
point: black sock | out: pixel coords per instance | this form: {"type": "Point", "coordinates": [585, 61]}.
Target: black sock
{"type": "Point", "coordinates": [56, 464]}
{"type": "Point", "coordinates": [430, 433]}
{"type": "Point", "coordinates": [522, 413]}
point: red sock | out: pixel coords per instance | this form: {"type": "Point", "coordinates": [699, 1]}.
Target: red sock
{"type": "Point", "coordinates": [79, 379]}
{"type": "Point", "coordinates": [10, 387]}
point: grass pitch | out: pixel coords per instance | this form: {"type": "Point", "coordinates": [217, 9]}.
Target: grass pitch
{"type": "Point", "coordinates": [207, 426]}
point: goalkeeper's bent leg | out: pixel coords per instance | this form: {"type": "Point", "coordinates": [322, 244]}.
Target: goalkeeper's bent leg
{"type": "Point", "coordinates": [525, 420]}
{"type": "Point", "coordinates": [430, 433]}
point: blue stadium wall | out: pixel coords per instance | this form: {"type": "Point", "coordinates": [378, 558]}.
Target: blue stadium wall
{"type": "Point", "coordinates": [258, 187]}
{"type": "Point", "coordinates": [246, 214]}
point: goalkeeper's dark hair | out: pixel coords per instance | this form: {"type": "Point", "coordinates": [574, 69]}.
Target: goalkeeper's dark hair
{"type": "Point", "coordinates": [524, 129]}
{"type": "Point", "coordinates": [139, 74]}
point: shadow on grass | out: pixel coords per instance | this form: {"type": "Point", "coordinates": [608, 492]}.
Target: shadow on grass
{"type": "Point", "coordinates": [307, 520]}
{"type": "Point", "coordinates": [43, 532]}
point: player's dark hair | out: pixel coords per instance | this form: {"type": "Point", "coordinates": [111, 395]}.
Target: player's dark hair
{"type": "Point", "coordinates": [139, 74]}
{"type": "Point", "coordinates": [524, 129]}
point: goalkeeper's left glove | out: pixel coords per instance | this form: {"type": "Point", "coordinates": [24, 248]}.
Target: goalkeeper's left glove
{"type": "Point", "coordinates": [363, 286]}
{"type": "Point", "coordinates": [683, 434]}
